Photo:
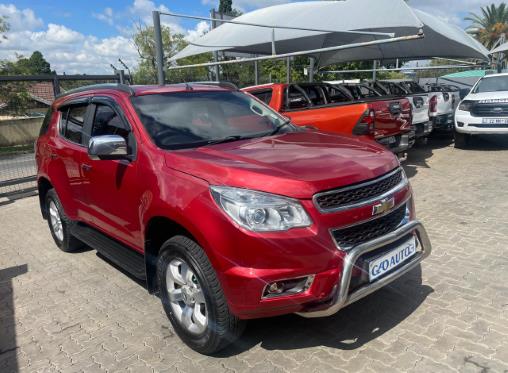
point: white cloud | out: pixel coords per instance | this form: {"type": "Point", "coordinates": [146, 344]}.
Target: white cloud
{"type": "Point", "coordinates": [201, 28]}
{"type": "Point", "coordinates": [105, 16]}
{"type": "Point", "coordinates": [66, 50]}
{"type": "Point", "coordinates": [18, 20]}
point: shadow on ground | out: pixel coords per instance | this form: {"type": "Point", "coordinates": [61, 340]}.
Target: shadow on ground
{"type": "Point", "coordinates": [419, 155]}
{"type": "Point", "coordinates": [8, 346]}
{"type": "Point", "coordinates": [349, 329]}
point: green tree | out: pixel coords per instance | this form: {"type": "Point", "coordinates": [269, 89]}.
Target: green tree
{"type": "Point", "coordinates": [34, 65]}
{"type": "Point", "coordinates": [490, 25]}
{"type": "Point", "coordinates": [172, 43]}
{"type": "Point", "coordinates": [226, 7]}
{"type": "Point", "coordinates": [4, 27]}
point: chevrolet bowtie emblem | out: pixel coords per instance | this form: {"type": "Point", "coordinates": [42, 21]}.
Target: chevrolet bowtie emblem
{"type": "Point", "coordinates": [383, 206]}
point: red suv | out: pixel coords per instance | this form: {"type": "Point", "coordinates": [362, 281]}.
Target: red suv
{"type": "Point", "coordinates": [227, 210]}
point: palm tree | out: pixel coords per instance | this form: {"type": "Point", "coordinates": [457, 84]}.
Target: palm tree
{"type": "Point", "coordinates": [490, 25]}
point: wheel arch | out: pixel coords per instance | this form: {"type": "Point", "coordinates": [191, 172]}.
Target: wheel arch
{"type": "Point", "coordinates": [43, 186]}
{"type": "Point", "coordinates": [158, 230]}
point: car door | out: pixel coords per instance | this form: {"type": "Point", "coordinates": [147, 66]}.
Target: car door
{"type": "Point", "coordinates": [111, 185]}
{"type": "Point", "coordinates": [66, 151]}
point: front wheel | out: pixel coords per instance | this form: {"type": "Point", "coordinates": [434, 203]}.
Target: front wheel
{"type": "Point", "coordinates": [60, 224]}
{"type": "Point", "coordinates": [193, 299]}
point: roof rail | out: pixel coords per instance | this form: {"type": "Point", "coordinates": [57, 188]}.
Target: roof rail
{"type": "Point", "coordinates": [223, 84]}
{"type": "Point", "coordinates": [113, 86]}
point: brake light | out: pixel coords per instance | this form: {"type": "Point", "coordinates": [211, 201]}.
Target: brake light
{"type": "Point", "coordinates": [433, 104]}
{"type": "Point", "coordinates": [366, 125]}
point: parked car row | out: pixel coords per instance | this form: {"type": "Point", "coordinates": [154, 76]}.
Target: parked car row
{"type": "Point", "coordinates": [394, 113]}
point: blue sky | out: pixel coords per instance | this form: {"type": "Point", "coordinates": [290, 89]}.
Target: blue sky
{"type": "Point", "coordinates": [86, 36]}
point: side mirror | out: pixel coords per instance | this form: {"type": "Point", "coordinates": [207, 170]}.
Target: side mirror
{"type": "Point", "coordinates": [107, 147]}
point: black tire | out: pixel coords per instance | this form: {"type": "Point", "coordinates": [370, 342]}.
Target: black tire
{"type": "Point", "coordinates": [462, 140]}
{"type": "Point", "coordinates": [68, 243]}
{"type": "Point", "coordinates": [422, 141]}
{"type": "Point", "coordinates": [223, 327]}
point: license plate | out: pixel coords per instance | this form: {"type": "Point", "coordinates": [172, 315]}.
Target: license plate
{"type": "Point", "coordinates": [495, 121]}
{"type": "Point", "coordinates": [392, 259]}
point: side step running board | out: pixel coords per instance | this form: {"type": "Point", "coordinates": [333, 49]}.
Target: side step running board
{"type": "Point", "coordinates": [125, 257]}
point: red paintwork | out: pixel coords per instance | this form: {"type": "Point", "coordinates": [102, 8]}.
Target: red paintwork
{"type": "Point", "coordinates": [342, 118]}
{"type": "Point", "coordinates": [120, 198]}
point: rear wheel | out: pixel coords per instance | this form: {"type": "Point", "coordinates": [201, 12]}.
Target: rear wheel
{"type": "Point", "coordinates": [462, 140]}
{"type": "Point", "coordinates": [193, 299]}
{"type": "Point", "coordinates": [59, 224]}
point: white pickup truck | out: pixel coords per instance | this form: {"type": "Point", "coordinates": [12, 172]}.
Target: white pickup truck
{"type": "Point", "coordinates": [443, 101]}
{"type": "Point", "coordinates": [483, 111]}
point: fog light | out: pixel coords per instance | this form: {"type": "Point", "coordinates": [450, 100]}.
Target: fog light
{"type": "Point", "coordinates": [460, 124]}
{"type": "Point", "coordinates": [288, 287]}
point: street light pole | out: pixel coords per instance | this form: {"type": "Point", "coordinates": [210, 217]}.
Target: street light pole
{"type": "Point", "coordinates": [159, 55]}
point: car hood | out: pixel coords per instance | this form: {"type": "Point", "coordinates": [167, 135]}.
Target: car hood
{"type": "Point", "coordinates": [488, 96]}
{"type": "Point", "coordinates": [297, 164]}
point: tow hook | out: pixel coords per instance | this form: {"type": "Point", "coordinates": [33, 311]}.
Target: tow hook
{"type": "Point", "coordinates": [402, 156]}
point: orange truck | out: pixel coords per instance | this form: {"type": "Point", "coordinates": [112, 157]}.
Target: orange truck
{"type": "Point", "coordinates": [332, 108]}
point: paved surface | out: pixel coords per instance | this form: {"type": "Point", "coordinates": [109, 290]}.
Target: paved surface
{"type": "Point", "coordinates": [76, 312]}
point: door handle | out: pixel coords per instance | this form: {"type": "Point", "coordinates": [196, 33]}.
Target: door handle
{"type": "Point", "coordinates": [86, 167]}
{"type": "Point", "coordinates": [53, 156]}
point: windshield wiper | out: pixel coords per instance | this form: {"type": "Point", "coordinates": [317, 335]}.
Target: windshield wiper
{"type": "Point", "coordinates": [280, 127]}
{"type": "Point", "coordinates": [227, 139]}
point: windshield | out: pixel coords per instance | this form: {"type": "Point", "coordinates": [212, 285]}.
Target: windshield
{"type": "Point", "coordinates": [413, 87]}
{"type": "Point", "coordinates": [192, 119]}
{"type": "Point", "coordinates": [494, 84]}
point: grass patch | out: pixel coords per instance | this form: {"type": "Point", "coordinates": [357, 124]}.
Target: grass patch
{"type": "Point", "coordinates": [27, 148]}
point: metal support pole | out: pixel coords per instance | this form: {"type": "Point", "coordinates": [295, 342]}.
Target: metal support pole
{"type": "Point", "coordinates": [256, 73]}
{"type": "Point", "coordinates": [56, 86]}
{"type": "Point", "coordinates": [311, 69]}
{"type": "Point", "coordinates": [159, 51]}
{"type": "Point", "coordinates": [374, 70]}
{"type": "Point", "coordinates": [288, 70]}
{"type": "Point", "coordinates": [274, 51]}
{"type": "Point", "coordinates": [121, 76]}
{"type": "Point", "coordinates": [215, 53]}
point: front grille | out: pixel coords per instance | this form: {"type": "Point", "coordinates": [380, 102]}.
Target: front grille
{"type": "Point", "coordinates": [490, 110]}
{"type": "Point", "coordinates": [329, 201]}
{"type": "Point", "coordinates": [348, 237]}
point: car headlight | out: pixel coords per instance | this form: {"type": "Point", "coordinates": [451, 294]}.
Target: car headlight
{"type": "Point", "coordinates": [260, 212]}
{"type": "Point", "coordinates": [466, 105]}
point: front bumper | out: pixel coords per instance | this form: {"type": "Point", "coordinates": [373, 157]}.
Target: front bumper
{"type": "Point", "coordinates": [423, 129]}
{"type": "Point", "coordinates": [400, 143]}
{"type": "Point", "coordinates": [443, 122]}
{"type": "Point", "coordinates": [341, 295]}
{"type": "Point", "coordinates": [466, 123]}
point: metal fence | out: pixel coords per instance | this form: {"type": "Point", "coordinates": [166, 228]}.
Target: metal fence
{"type": "Point", "coordinates": [24, 100]}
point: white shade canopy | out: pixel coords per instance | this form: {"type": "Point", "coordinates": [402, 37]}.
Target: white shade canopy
{"type": "Point", "coordinates": [337, 20]}
{"type": "Point", "coordinates": [502, 48]}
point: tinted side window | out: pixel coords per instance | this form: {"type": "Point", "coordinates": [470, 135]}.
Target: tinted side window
{"type": "Point", "coordinates": [46, 122]}
{"type": "Point", "coordinates": [71, 125]}
{"type": "Point", "coordinates": [107, 122]}
{"type": "Point", "coordinates": [265, 96]}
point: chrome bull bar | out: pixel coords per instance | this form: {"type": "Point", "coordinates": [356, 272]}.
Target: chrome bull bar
{"type": "Point", "coordinates": [341, 298]}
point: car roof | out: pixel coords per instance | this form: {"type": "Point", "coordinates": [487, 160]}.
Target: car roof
{"type": "Point", "coordinates": [139, 90]}
{"type": "Point", "coordinates": [494, 75]}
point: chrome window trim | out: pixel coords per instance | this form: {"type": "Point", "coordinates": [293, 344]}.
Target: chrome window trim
{"type": "Point", "coordinates": [365, 202]}
{"type": "Point", "coordinates": [331, 230]}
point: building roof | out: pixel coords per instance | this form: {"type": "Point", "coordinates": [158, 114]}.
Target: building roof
{"type": "Point", "coordinates": [467, 74]}
{"type": "Point", "coordinates": [42, 92]}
